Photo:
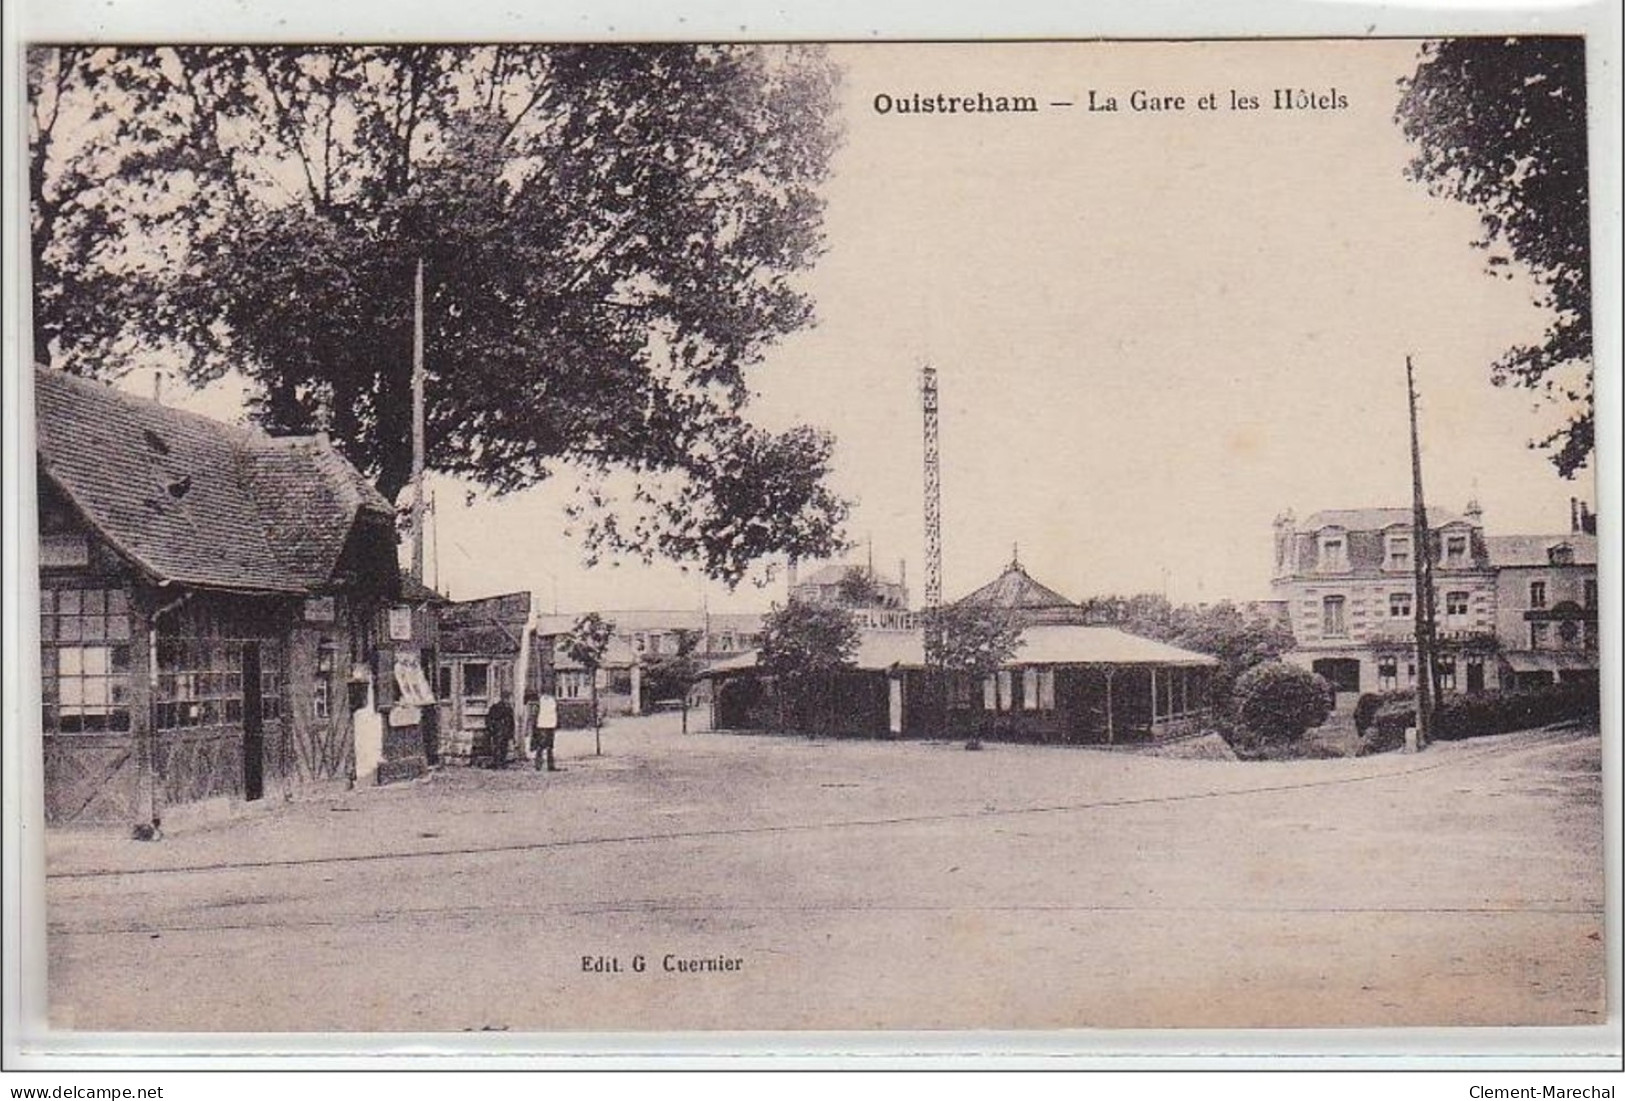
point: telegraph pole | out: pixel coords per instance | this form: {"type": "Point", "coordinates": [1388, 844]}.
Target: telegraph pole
{"type": "Point", "coordinates": [417, 425]}
{"type": "Point", "coordinates": [1422, 559]}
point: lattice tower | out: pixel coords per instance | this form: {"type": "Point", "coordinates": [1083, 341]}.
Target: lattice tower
{"type": "Point", "coordinates": [933, 492]}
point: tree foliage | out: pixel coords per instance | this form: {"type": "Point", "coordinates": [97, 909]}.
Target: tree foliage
{"type": "Point", "coordinates": [588, 641]}
{"type": "Point", "coordinates": [669, 676]}
{"type": "Point", "coordinates": [611, 237]}
{"type": "Point", "coordinates": [969, 640]}
{"type": "Point", "coordinates": [1500, 124]}
{"type": "Point", "coordinates": [1240, 640]}
{"type": "Point", "coordinates": [586, 645]}
{"type": "Point", "coordinates": [805, 644]}
{"type": "Point", "coordinates": [1280, 702]}
{"type": "Point", "coordinates": [857, 588]}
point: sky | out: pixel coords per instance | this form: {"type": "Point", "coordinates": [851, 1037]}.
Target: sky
{"type": "Point", "coordinates": [1153, 331]}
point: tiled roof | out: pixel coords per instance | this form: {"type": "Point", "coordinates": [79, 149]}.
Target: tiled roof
{"type": "Point", "coordinates": [1041, 644]}
{"type": "Point", "coordinates": [1013, 589]}
{"type": "Point", "coordinates": [1535, 550]}
{"type": "Point", "coordinates": [488, 625]}
{"type": "Point", "coordinates": [835, 572]}
{"type": "Point", "coordinates": [877, 651]}
{"type": "Point", "coordinates": [193, 500]}
{"type": "Point", "coordinates": [1067, 644]}
{"type": "Point", "coordinates": [1373, 519]}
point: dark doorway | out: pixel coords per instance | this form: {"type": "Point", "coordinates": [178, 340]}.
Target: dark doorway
{"type": "Point", "coordinates": [253, 724]}
{"type": "Point", "coordinates": [1342, 673]}
{"type": "Point", "coordinates": [1475, 676]}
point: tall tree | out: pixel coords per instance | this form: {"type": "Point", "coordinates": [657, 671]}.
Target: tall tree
{"type": "Point", "coordinates": [1500, 124]}
{"type": "Point", "coordinates": [613, 236]}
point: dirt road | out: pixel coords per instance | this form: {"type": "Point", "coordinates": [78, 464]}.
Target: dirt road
{"type": "Point", "coordinates": [782, 883]}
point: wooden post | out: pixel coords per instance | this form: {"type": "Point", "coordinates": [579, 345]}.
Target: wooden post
{"type": "Point", "coordinates": [1153, 701]}
{"type": "Point", "coordinates": [1111, 735]}
{"type": "Point", "coordinates": [417, 423]}
{"type": "Point", "coordinates": [1422, 565]}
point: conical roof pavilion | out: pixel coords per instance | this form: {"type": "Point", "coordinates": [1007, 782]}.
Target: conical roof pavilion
{"type": "Point", "coordinates": [1030, 601]}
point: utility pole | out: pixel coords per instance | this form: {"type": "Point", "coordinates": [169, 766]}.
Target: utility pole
{"type": "Point", "coordinates": [435, 512]}
{"type": "Point", "coordinates": [417, 424]}
{"type": "Point", "coordinates": [1422, 560]}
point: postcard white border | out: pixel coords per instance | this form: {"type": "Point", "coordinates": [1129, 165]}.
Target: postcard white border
{"type": "Point", "coordinates": [1590, 1048]}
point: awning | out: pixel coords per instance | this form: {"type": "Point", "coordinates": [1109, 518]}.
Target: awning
{"type": "Point", "coordinates": [1531, 662]}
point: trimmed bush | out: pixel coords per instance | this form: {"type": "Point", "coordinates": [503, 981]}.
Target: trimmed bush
{"type": "Point", "coordinates": [1498, 712]}
{"type": "Point", "coordinates": [1278, 702]}
{"type": "Point", "coordinates": [1468, 716]}
{"type": "Point", "coordinates": [1366, 707]}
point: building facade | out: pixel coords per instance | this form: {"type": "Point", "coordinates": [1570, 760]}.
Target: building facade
{"type": "Point", "coordinates": [482, 655]}
{"type": "Point", "coordinates": [1510, 610]}
{"type": "Point", "coordinates": [221, 613]}
{"type": "Point", "coordinates": [1546, 607]}
{"type": "Point", "coordinates": [641, 636]}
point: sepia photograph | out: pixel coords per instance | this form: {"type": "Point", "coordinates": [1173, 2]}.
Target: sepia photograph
{"type": "Point", "coordinates": [675, 537]}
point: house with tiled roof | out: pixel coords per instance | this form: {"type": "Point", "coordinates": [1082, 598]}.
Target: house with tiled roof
{"type": "Point", "coordinates": [222, 615]}
{"type": "Point", "coordinates": [1546, 607]}
{"type": "Point", "coordinates": [1511, 611]}
{"type": "Point", "coordinates": [484, 652]}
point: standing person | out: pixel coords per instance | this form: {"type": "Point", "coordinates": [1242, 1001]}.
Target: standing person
{"type": "Point", "coordinates": [499, 730]}
{"type": "Point", "coordinates": [546, 726]}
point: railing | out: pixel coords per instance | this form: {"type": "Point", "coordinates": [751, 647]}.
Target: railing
{"type": "Point", "coordinates": [1395, 636]}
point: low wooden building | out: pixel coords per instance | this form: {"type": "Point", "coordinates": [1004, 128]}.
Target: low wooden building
{"type": "Point", "coordinates": [1069, 682]}
{"type": "Point", "coordinates": [221, 612]}
{"type": "Point", "coordinates": [484, 652]}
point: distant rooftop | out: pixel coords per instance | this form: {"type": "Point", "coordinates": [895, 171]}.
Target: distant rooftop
{"type": "Point", "coordinates": [1374, 519]}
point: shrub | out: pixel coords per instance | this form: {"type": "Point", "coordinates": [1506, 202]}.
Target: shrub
{"type": "Point", "coordinates": [1366, 707]}
{"type": "Point", "coordinates": [1498, 712]}
{"type": "Point", "coordinates": [1466, 716]}
{"type": "Point", "coordinates": [1279, 702]}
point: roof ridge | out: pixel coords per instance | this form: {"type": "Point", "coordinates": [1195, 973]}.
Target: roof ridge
{"type": "Point", "coordinates": [104, 388]}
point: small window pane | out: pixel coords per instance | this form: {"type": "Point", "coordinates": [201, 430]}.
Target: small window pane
{"type": "Point", "coordinates": [117, 602]}
{"type": "Point", "coordinates": [67, 601]}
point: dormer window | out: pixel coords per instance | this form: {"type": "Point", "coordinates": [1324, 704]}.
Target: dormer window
{"type": "Point", "coordinates": [1561, 555]}
{"type": "Point", "coordinates": [1455, 550]}
{"type": "Point", "coordinates": [1334, 551]}
{"type": "Point", "coordinates": [1399, 553]}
